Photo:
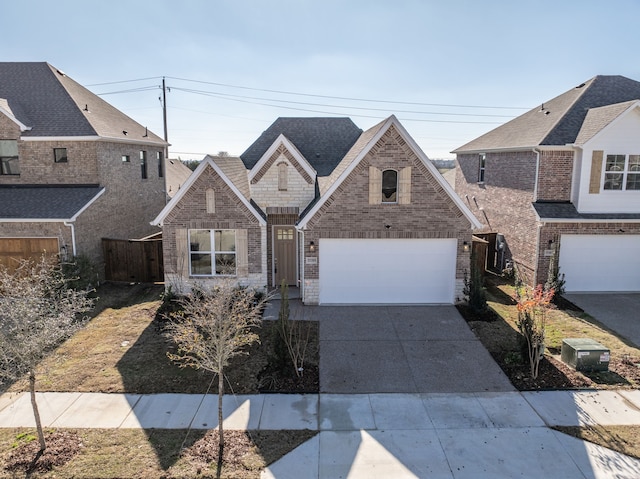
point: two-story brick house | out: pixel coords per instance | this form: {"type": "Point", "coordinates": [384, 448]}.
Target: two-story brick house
{"type": "Point", "coordinates": [73, 169]}
{"type": "Point", "coordinates": [346, 215]}
{"type": "Point", "coordinates": [563, 177]}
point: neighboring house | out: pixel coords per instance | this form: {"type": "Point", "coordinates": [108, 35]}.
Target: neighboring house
{"type": "Point", "coordinates": [346, 215]}
{"type": "Point", "coordinates": [73, 169]}
{"type": "Point", "coordinates": [564, 177]}
{"type": "Point", "coordinates": [177, 174]}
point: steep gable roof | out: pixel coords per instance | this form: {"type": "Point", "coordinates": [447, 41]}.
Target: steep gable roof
{"type": "Point", "coordinates": [558, 121]}
{"type": "Point", "coordinates": [599, 118]}
{"type": "Point", "coordinates": [369, 140]}
{"type": "Point", "coordinates": [233, 167]}
{"type": "Point", "coordinates": [53, 105]}
{"type": "Point", "coordinates": [208, 162]}
{"type": "Point", "coordinates": [322, 141]}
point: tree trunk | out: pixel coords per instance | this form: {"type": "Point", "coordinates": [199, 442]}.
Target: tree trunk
{"type": "Point", "coordinates": [220, 419]}
{"type": "Point", "coordinates": [36, 413]}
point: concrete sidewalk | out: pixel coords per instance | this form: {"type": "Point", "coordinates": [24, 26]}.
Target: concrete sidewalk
{"type": "Point", "coordinates": [475, 435]}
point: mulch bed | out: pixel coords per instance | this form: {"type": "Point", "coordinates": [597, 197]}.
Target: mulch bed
{"type": "Point", "coordinates": [62, 446]}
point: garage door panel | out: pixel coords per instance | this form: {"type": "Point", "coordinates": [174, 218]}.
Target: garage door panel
{"type": "Point", "coordinates": [600, 262]}
{"type": "Point", "coordinates": [387, 271]}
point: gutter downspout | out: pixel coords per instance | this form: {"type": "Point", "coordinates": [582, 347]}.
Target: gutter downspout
{"type": "Point", "coordinates": [73, 236]}
{"type": "Point", "coordinates": [535, 184]}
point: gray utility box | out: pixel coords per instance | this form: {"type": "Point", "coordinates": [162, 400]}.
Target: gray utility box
{"type": "Point", "coordinates": [585, 354]}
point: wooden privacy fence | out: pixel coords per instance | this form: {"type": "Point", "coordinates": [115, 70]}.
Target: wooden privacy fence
{"type": "Point", "coordinates": [135, 261]}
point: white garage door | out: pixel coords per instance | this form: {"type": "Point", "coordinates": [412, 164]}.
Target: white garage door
{"type": "Point", "coordinates": [600, 262]}
{"type": "Point", "coordinates": [384, 271]}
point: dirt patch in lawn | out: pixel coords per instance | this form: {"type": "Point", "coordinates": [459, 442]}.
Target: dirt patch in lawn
{"type": "Point", "coordinates": [124, 349]}
{"type": "Point", "coordinates": [136, 453]}
{"type": "Point", "coordinates": [624, 439]}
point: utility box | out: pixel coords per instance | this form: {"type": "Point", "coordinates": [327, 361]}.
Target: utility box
{"type": "Point", "coordinates": [585, 354]}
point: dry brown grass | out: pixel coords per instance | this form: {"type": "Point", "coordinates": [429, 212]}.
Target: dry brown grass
{"type": "Point", "coordinates": [177, 453]}
{"type": "Point", "coordinates": [624, 439]}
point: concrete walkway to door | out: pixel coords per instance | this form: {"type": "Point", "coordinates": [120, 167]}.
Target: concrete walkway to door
{"type": "Point", "coordinates": [402, 349]}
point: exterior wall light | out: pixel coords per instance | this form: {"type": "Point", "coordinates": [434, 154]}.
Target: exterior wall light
{"type": "Point", "coordinates": [465, 247]}
{"type": "Point", "coordinates": [312, 246]}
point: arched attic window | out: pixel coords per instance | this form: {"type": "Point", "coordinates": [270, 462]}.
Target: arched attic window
{"type": "Point", "coordinates": [283, 176]}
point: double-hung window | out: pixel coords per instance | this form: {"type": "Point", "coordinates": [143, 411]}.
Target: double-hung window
{"type": "Point", "coordinates": [143, 164]}
{"type": "Point", "coordinates": [212, 252]}
{"type": "Point", "coordinates": [481, 167]}
{"type": "Point", "coordinates": [622, 172]}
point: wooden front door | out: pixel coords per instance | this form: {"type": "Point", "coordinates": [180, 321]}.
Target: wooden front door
{"type": "Point", "coordinates": [284, 255]}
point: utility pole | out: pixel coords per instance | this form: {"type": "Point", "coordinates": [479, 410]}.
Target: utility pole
{"type": "Point", "coordinates": [164, 109]}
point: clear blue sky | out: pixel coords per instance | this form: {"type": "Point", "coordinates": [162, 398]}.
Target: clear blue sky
{"type": "Point", "coordinates": [427, 53]}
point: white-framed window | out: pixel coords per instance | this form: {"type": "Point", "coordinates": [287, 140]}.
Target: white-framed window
{"type": "Point", "coordinates": [389, 186]}
{"type": "Point", "coordinates": [143, 164]}
{"type": "Point", "coordinates": [9, 164]}
{"type": "Point", "coordinates": [126, 159]}
{"type": "Point", "coordinates": [622, 172]}
{"type": "Point", "coordinates": [212, 252]}
{"type": "Point", "coordinates": [160, 160]}
{"type": "Point", "coordinates": [482, 159]}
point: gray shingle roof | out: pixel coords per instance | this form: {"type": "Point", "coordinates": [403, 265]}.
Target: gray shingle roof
{"type": "Point", "coordinates": [322, 141]}
{"type": "Point", "coordinates": [598, 118]}
{"type": "Point", "coordinates": [52, 104]}
{"type": "Point", "coordinates": [44, 202]}
{"type": "Point", "coordinates": [558, 121]}
{"type": "Point", "coordinates": [567, 211]}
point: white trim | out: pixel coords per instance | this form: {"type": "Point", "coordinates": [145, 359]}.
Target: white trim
{"type": "Point", "coordinates": [12, 117]}
{"type": "Point", "coordinates": [73, 236]}
{"type": "Point", "coordinates": [89, 203]}
{"type": "Point", "coordinates": [392, 120]}
{"type": "Point", "coordinates": [587, 220]}
{"type": "Point", "coordinates": [282, 140]}
{"type": "Point", "coordinates": [273, 256]}
{"type": "Point", "coordinates": [207, 161]}
{"type": "Point", "coordinates": [135, 141]}
{"type": "Point", "coordinates": [537, 176]}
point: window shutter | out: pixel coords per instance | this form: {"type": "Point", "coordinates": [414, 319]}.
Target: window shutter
{"type": "Point", "coordinates": [375, 186]}
{"type": "Point", "coordinates": [182, 253]}
{"type": "Point", "coordinates": [242, 253]}
{"type": "Point", "coordinates": [210, 200]}
{"type": "Point", "coordinates": [596, 171]}
{"type": "Point", "coordinates": [404, 186]}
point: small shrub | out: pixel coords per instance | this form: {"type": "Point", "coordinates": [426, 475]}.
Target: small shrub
{"type": "Point", "coordinates": [532, 317]}
{"type": "Point", "coordinates": [555, 279]}
{"type": "Point", "coordinates": [81, 273]}
{"type": "Point", "coordinates": [474, 290]}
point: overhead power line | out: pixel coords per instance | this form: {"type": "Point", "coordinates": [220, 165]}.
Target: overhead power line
{"type": "Point", "coordinates": [350, 98]}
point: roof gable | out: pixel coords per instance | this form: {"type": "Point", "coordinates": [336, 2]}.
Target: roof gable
{"type": "Point", "coordinates": [599, 119]}
{"type": "Point", "coordinates": [282, 146]}
{"type": "Point", "coordinates": [369, 140]}
{"type": "Point", "coordinates": [323, 142]}
{"type": "Point", "coordinates": [204, 164]}
{"type": "Point", "coordinates": [558, 121]}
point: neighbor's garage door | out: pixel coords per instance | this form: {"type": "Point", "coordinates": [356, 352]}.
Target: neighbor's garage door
{"type": "Point", "coordinates": [365, 271]}
{"type": "Point", "coordinates": [12, 250]}
{"type": "Point", "coordinates": [600, 262]}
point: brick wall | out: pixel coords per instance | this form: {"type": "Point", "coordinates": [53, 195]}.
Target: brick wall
{"type": "Point", "coordinates": [129, 203]}
{"type": "Point", "coordinates": [9, 129]}
{"type": "Point", "coordinates": [503, 202]}
{"type": "Point", "coordinates": [348, 214]}
{"type": "Point", "coordinates": [41, 230]}
{"type": "Point", "coordinates": [300, 188]}
{"type": "Point", "coordinates": [554, 175]}
{"type": "Point", "coordinates": [37, 165]}
{"type": "Point", "coordinates": [230, 213]}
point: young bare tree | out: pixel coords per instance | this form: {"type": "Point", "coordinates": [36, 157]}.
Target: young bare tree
{"type": "Point", "coordinates": [37, 312]}
{"type": "Point", "coordinates": [214, 326]}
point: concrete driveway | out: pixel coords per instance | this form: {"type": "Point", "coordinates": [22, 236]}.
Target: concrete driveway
{"type": "Point", "coordinates": [618, 311]}
{"type": "Point", "coordinates": [402, 349]}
